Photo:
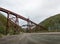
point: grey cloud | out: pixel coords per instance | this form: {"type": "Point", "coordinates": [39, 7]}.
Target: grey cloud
{"type": "Point", "coordinates": [45, 8]}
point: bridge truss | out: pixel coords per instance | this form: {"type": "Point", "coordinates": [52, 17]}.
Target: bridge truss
{"type": "Point", "coordinates": [16, 21]}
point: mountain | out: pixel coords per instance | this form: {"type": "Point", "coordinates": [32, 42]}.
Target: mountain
{"type": "Point", "coordinates": [52, 23]}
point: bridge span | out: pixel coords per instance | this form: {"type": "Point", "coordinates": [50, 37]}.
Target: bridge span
{"type": "Point", "coordinates": [16, 20]}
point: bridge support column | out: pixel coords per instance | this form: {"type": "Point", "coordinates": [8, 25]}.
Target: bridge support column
{"type": "Point", "coordinates": [7, 26]}
{"type": "Point", "coordinates": [28, 26]}
{"type": "Point", "coordinates": [16, 27]}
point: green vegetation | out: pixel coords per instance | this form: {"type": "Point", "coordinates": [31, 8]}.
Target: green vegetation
{"type": "Point", "coordinates": [3, 23]}
{"type": "Point", "coordinates": [52, 23]}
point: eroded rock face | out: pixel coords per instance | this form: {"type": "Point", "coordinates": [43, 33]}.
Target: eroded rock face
{"type": "Point", "coordinates": [32, 38]}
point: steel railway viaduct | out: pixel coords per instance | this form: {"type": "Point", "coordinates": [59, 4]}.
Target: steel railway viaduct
{"type": "Point", "coordinates": [16, 19]}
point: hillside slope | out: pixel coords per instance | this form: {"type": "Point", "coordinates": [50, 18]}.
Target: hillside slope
{"type": "Point", "coordinates": [52, 23]}
{"type": "Point", "coordinates": [3, 24]}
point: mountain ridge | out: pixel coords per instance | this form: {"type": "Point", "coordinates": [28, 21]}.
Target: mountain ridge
{"type": "Point", "coordinates": [52, 23]}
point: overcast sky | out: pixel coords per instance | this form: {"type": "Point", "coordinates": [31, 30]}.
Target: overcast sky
{"type": "Point", "coordinates": [36, 10]}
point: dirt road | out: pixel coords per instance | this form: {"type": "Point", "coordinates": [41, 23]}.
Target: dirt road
{"type": "Point", "coordinates": [32, 38]}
